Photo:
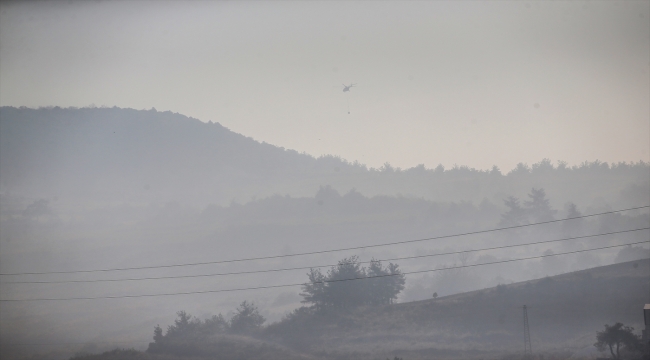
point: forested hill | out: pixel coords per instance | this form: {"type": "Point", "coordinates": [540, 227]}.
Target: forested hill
{"type": "Point", "coordinates": [125, 155]}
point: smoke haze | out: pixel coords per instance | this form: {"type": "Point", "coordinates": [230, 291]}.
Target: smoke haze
{"type": "Point", "coordinates": [148, 148]}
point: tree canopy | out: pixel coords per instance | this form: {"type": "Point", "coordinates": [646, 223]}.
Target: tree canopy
{"type": "Point", "coordinates": [618, 339]}
{"type": "Point", "coordinates": [380, 285]}
{"type": "Point", "coordinates": [247, 319]}
{"type": "Point", "coordinates": [536, 209]}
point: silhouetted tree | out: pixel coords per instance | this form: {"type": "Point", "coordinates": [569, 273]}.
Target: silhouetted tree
{"type": "Point", "coordinates": [157, 334]}
{"type": "Point", "coordinates": [515, 214]}
{"type": "Point", "coordinates": [340, 291]}
{"type": "Point", "coordinates": [572, 210]}
{"type": "Point", "coordinates": [314, 290]}
{"type": "Point", "coordinates": [342, 287]}
{"type": "Point", "coordinates": [572, 227]}
{"type": "Point", "coordinates": [388, 282]}
{"type": "Point", "coordinates": [186, 328]}
{"type": "Point", "coordinates": [216, 324]}
{"type": "Point", "coordinates": [617, 338]}
{"type": "Point", "coordinates": [247, 320]}
{"type": "Point", "coordinates": [538, 206]}
{"type": "Point", "coordinates": [536, 209]}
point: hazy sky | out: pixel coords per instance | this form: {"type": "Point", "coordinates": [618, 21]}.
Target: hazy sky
{"type": "Point", "coordinates": [468, 83]}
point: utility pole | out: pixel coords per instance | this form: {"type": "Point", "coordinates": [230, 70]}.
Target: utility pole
{"type": "Point", "coordinates": [646, 319]}
{"type": "Point", "coordinates": [528, 350]}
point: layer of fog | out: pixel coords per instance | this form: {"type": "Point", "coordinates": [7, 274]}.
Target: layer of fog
{"type": "Point", "coordinates": [76, 195]}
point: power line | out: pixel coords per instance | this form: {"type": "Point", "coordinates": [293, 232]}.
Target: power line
{"type": "Point", "coordinates": [317, 282]}
{"type": "Point", "coordinates": [322, 251]}
{"type": "Point", "coordinates": [8, 343]}
{"type": "Point", "coordinates": [317, 266]}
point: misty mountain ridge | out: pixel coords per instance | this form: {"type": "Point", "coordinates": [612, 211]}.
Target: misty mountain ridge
{"type": "Point", "coordinates": [113, 155]}
{"type": "Point", "coordinates": [108, 188]}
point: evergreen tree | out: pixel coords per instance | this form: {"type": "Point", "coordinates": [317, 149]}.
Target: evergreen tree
{"type": "Point", "coordinates": [348, 284]}
{"type": "Point", "coordinates": [247, 320]}
{"type": "Point", "coordinates": [538, 207]}
{"type": "Point", "coordinates": [515, 214]}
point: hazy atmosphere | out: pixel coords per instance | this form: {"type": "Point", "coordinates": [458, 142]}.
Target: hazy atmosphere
{"type": "Point", "coordinates": [498, 82]}
{"type": "Point", "coordinates": [324, 180]}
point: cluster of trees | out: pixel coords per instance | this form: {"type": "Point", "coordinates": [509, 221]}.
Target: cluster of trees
{"type": "Point", "coordinates": [375, 284]}
{"type": "Point", "coordinates": [381, 285]}
{"type": "Point", "coordinates": [247, 320]}
{"type": "Point", "coordinates": [536, 209]}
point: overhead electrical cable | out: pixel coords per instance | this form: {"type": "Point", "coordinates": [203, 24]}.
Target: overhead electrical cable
{"type": "Point", "coordinates": [317, 282]}
{"type": "Point", "coordinates": [319, 266]}
{"type": "Point", "coordinates": [323, 251]}
{"type": "Point", "coordinates": [69, 343]}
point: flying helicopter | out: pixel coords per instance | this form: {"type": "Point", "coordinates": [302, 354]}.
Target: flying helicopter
{"type": "Point", "coordinates": [346, 88]}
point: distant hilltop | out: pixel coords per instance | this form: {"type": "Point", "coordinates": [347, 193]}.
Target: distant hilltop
{"type": "Point", "coordinates": [138, 156]}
